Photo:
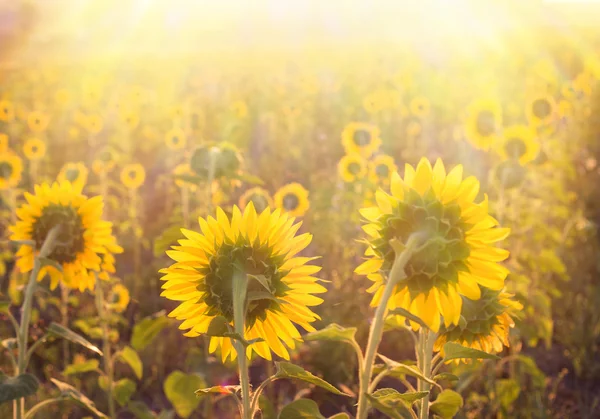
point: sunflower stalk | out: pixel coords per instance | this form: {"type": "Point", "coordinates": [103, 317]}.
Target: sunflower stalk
{"type": "Point", "coordinates": [397, 274]}
{"type": "Point", "coordinates": [239, 314]}
{"type": "Point", "coordinates": [106, 349]}
{"type": "Point", "coordinates": [425, 351]}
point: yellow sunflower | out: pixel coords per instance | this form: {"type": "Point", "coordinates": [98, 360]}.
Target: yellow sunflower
{"type": "Point", "coordinates": [34, 149]}
{"type": "Point", "coordinates": [239, 109]}
{"type": "Point", "coordinates": [76, 173]}
{"type": "Point", "coordinates": [361, 138]}
{"type": "Point", "coordinates": [184, 169]}
{"type": "Point", "coordinates": [352, 167]}
{"type": "Point", "coordinates": [381, 169]}
{"type": "Point", "coordinates": [420, 107]}
{"type": "Point", "coordinates": [485, 324]}
{"type": "Point", "coordinates": [130, 118]}
{"type": "Point", "coordinates": [11, 168]}
{"type": "Point", "coordinates": [175, 139]}
{"type": "Point", "coordinates": [293, 199]}
{"type": "Point", "coordinates": [119, 298]}
{"type": "Point", "coordinates": [82, 239]}
{"type": "Point", "coordinates": [519, 143]}
{"type": "Point", "coordinates": [458, 254]}
{"type": "Point", "coordinates": [133, 175]}
{"type": "Point", "coordinates": [262, 249]}
{"type": "Point", "coordinates": [93, 123]}
{"type": "Point", "coordinates": [541, 110]}
{"type": "Point", "coordinates": [260, 198]}
{"type": "Point", "coordinates": [37, 121]}
{"type": "Point", "coordinates": [484, 119]}
{"type": "Point", "coordinates": [105, 161]}
{"type": "Point", "coordinates": [7, 111]}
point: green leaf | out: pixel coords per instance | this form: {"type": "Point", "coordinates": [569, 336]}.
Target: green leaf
{"type": "Point", "coordinates": [180, 389]}
{"type": "Point", "coordinates": [262, 280]}
{"type": "Point", "coordinates": [168, 237]}
{"type": "Point", "coordinates": [398, 311]}
{"type": "Point", "coordinates": [301, 409]}
{"type": "Point", "coordinates": [218, 390]}
{"type": "Point", "coordinates": [80, 368]}
{"type": "Point", "coordinates": [453, 350]}
{"type": "Point", "coordinates": [537, 376]}
{"type": "Point", "coordinates": [4, 306]}
{"type": "Point", "coordinates": [146, 330]}
{"type": "Point", "coordinates": [219, 327]}
{"type": "Point", "coordinates": [57, 330]}
{"type": "Point", "coordinates": [129, 356]}
{"type": "Point", "coordinates": [399, 370]}
{"type": "Point", "coordinates": [123, 390]}
{"type": "Point", "coordinates": [508, 391]}
{"type": "Point", "coordinates": [68, 392]}
{"type": "Point", "coordinates": [288, 370]}
{"type": "Point", "coordinates": [333, 332]}
{"type": "Point", "coordinates": [393, 403]}
{"type": "Point", "coordinates": [49, 262]}
{"type": "Point", "coordinates": [445, 376]}
{"type": "Point", "coordinates": [267, 410]}
{"type": "Point", "coordinates": [447, 404]}
{"type": "Point", "coordinates": [13, 388]}
{"type": "Point", "coordinates": [140, 410]}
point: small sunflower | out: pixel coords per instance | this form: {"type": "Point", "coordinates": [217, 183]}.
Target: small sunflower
{"type": "Point", "coordinates": [105, 161]}
{"type": "Point", "coordinates": [352, 167]}
{"type": "Point", "coordinates": [293, 199]}
{"type": "Point", "coordinates": [76, 173]}
{"type": "Point", "coordinates": [239, 109]}
{"type": "Point", "coordinates": [279, 285]}
{"type": "Point", "coordinates": [541, 110]}
{"type": "Point", "coordinates": [175, 139]}
{"type": "Point", "coordinates": [484, 119]}
{"type": "Point", "coordinates": [130, 119]}
{"type": "Point", "coordinates": [34, 149]}
{"type": "Point", "coordinates": [519, 143]}
{"type": "Point", "coordinates": [37, 121]}
{"type": "Point", "coordinates": [361, 138]}
{"type": "Point", "coordinates": [119, 298]}
{"type": "Point", "coordinates": [258, 196]}
{"type": "Point", "coordinates": [11, 168]}
{"type": "Point", "coordinates": [83, 236]}
{"type": "Point", "coordinates": [133, 175]}
{"type": "Point", "coordinates": [458, 254]}
{"type": "Point", "coordinates": [381, 169]}
{"type": "Point", "coordinates": [93, 123]}
{"type": "Point", "coordinates": [7, 111]}
{"type": "Point", "coordinates": [420, 107]}
{"type": "Point", "coordinates": [485, 323]}
{"type": "Point", "coordinates": [184, 169]}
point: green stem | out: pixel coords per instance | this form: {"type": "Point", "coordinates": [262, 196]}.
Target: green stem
{"type": "Point", "coordinates": [239, 314]}
{"type": "Point", "coordinates": [34, 409]}
{"type": "Point", "coordinates": [64, 321]}
{"type": "Point", "coordinates": [106, 349]}
{"type": "Point", "coordinates": [256, 396]}
{"type": "Point", "coordinates": [425, 348]}
{"type": "Point", "coordinates": [396, 275]}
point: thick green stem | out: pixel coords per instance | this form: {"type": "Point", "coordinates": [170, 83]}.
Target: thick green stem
{"type": "Point", "coordinates": [64, 321]}
{"type": "Point", "coordinates": [106, 349]}
{"type": "Point", "coordinates": [239, 314]}
{"type": "Point", "coordinates": [375, 334]}
{"type": "Point", "coordinates": [425, 348]}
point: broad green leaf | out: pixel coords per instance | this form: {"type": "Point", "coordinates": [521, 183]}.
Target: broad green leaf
{"type": "Point", "coordinates": [4, 305]}
{"type": "Point", "coordinates": [447, 404]}
{"type": "Point", "coordinates": [267, 410]}
{"type": "Point", "coordinates": [301, 409]}
{"type": "Point", "coordinates": [537, 376]}
{"type": "Point", "coordinates": [453, 350]}
{"type": "Point", "coordinates": [129, 356]}
{"type": "Point", "coordinates": [50, 262]}
{"type": "Point", "coordinates": [57, 330]}
{"type": "Point", "coordinates": [140, 410]}
{"type": "Point", "coordinates": [123, 390]}
{"type": "Point", "coordinates": [217, 390]}
{"type": "Point", "coordinates": [168, 237]}
{"type": "Point", "coordinates": [68, 392]}
{"type": "Point", "coordinates": [393, 403]}
{"type": "Point", "coordinates": [219, 327]}
{"type": "Point", "coordinates": [398, 311]}
{"type": "Point", "coordinates": [333, 332]}
{"type": "Point", "coordinates": [180, 389]}
{"type": "Point", "coordinates": [399, 369]}
{"type": "Point", "coordinates": [80, 368]}
{"type": "Point", "coordinates": [508, 391]}
{"type": "Point", "coordinates": [288, 370]}
{"type": "Point", "coordinates": [445, 376]}
{"type": "Point", "coordinates": [13, 388]}
{"type": "Point", "coordinates": [146, 330]}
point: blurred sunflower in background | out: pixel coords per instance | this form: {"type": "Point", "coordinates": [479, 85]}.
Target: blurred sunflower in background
{"type": "Point", "coordinates": [175, 139]}
{"type": "Point", "coordinates": [260, 198]}
{"type": "Point", "coordinates": [519, 143]}
{"type": "Point", "coordinates": [119, 298]}
{"type": "Point", "coordinates": [93, 123]}
{"type": "Point", "coordinates": [381, 168]}
{"type": "Point", "coordinates": [82, 237]}
{"type": "Point", "coordinates": [76, 173]}
{"type": "Point", "coordinates": [420, 106]}
{"type": "Point", "coordinates": [361, 138]}
{"type": "Point", "coordinates": [541, 110]}
{"type": "Point", "coordinates": [293, 199]}
{"type": "Point", "coordinates": [262, 247]}
{"type": "Point", "coordinates": [7, 111]}
{"type": "Point", "coordinates": [34, 149]}
{"type": "Point", "coordinates": [11, 169]}
{"type": "Point", "coordinates": [352, 167]}
{"type": "Point", "coordinates": [457, 255]}
{"type": "Point", "coordinates": [184, 169]}
{"type": "Point", "coordinates": [37, 121]}
{"type": "Point", "coordinates": [105, 161]}
{"type": "Point", "coordinates": [133, 175]}
{"type": "Point", "coordinates": [483, 122]}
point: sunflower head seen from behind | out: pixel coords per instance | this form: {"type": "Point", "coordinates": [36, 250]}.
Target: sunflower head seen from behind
{"type": "Point", "coordinates": [279, 284]}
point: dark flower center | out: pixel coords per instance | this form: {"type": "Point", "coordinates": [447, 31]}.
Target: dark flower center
{"type": "Point", "coordinates": [361, 137]}
{"type": "Point", "coordinates": [175, 140]}
{"type": "Point", "coordinates": [6, 170]}
{"type": "Point", "coordinates": [34, 149]}
{"type": "Point", "coordinates": [132, 174]}
{"type": "Point", "coordinates": [291, 201]}
{"type": "Point", "coordinates": [354, 168]}
{"type": "Point", "coordinates": [515, 147]}
{"type": "Point", "coordinates": [382, 170]}
{"type": "Point", "coordinates": [72, 174]}
{"type": "Point", "coordinates": [541, 108]}
{"type": "Point", "coordinates": [70, 240]}
{"type": "Point", "coordinates": [486, 123]}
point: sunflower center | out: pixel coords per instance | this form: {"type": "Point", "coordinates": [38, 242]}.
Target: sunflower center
{"type": "Point", "coordinates": [70, 239]}
{"type": "Point", "coordinates": [382, 171]}
{"type": "Point", "coordinates": [515, 147]}
{"type": "Point", "coordinates": [541, 108]}
{"type": "Point", "coordinates": [291, 202]}
{"type": "Point", "coordinates": [175, 140]}
{"type": "Point", "coordinates": [6, 170]}
{"type": "Point", "coordinates": [34, 149]}
{"type": "Point", "coordinates": [486, 123]}
{"type": "Point", "coordinates": [72, 174]}
{"type": "Point", "coordinates": [361, 137]}
{"type": "Point", "coordinates": [354, 168]}
{"type": "Point", "coordinates": [132, 174]}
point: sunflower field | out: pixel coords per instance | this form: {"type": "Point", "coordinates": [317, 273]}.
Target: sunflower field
{"type": "Point", "coordinates": [283, 210]}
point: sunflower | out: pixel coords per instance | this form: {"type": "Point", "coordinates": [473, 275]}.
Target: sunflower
{"type": "Point", "coordinates": [239, 109]}
{"type": "Point", "coordinates": [133, 175]}
{"type": "Point", "coordinates": [279, 285]}
{"type": "Point", "coordinates": [519, 143]}
{"type": "Point", "coordinates": [34, 149]}
{"type": "Point", "coordinates": [485, 323]}
{"type": "Point", "coordinates": [184, 169]}
{"type": "Point", "coordinates": [37, 121]}
{"type": "Point", "coordinates": [381, 169]}
{"type": "Point", "coordinates": [484, 119]}
{"type": "Point", "coordinates": [293, 199]}
{"type": "Point", "coordinates": [76, 173]}
{"type": "Point", "coordinates": [361, 138]}
{"type": "Point", "coordinates": [260, 198]}
{"type": "Point", "coordinates": [83, 236]}
{"type": "Point", "coordinates": [541, 110]}
{"type": "Point", "coordinates": [130, 118]}
{"type": "Point", "coordinates": [7, 111]}
{"type": "Point", "coordinates": [11, 168]}
{"type": "Point", "coordinates": [352, 167]}
{"type": "Point", "coordinates": [420, 107]}
{"type": "Point", "coordinates": [119, 298]}
{"type": "Point", "coordinates": [93, 123]}
{"type": "Point", "coordinates": [105, 161]}
{"type": "Point", "coordinates": [175, 139]}
{"type": "Point", "coordinates": [457, 255]}
{"type": "Point", "coordinates": [225, 159]}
